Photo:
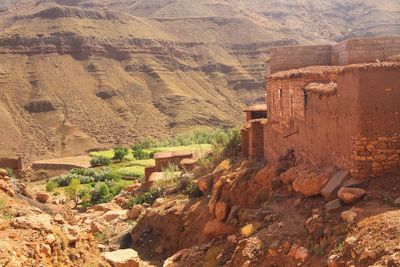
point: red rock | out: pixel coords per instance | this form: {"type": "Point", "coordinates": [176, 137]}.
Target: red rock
{"type": "Point", "coordinates": [123, 258]}
{"type": "Point", "coordinates": [299, 253]}
{"type": "Point", "coordinates": [334, 183]}
{"type": "Point", "coordinates": [350, 195]}
{"type": "Point", "coordinates": [42, 197]}
{"type": "Point", "coordinates": [95, 228]}
{"type": "Point", "coordinates": [205, 183]}
{"type": "Point", "coordinates": [106, 207]}
{"type": "Point", "coordinates": [134, 212]}
{"type": "Point", "coordinates": [349, 216]}
{"type": "Point", "coordinates": [311, 183]}
{"type": "Point", "coordinates": [3, 172]}
{"type": "Point", "coordinates": [216, 228]}
{"type": "Point", "coordinates": [221, 211]}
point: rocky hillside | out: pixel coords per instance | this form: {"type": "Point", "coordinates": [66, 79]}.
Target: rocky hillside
{"type": "Point", "coordinates": [77, 75]}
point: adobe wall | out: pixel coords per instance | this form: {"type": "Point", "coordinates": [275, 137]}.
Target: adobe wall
{"type": "Point", "coordinates": [352, 51]}
{"type": "Point", "coordinates": [377, 146]}
{"type": "Point", "coordinates": [256, 139]}
{"type": "Point", "coordinates": [317, 127]}
{"type": "Point", "coordinates": [364, 50]}
{"type": "Point", "coordinates": [244, 143]}
{"type": "Point", "coordinates": [163, 163]}
{"type": "Point", "coordinates": [295, 57]}
{"type": "Point", "coordinates": [11, 163]}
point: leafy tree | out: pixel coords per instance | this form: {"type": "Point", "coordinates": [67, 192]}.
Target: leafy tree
{"type": "Point", "coordinates": [120, 153]}
{"type": "Point", "coordinates": [72, 190]}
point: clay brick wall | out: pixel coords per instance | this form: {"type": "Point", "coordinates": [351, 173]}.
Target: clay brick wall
{"type": "Point", "coordinates": [376, 149]}
{"type": "Point", "coordinates": [313, 127]}
{"type": "Point", "coordinates": [295, 57]}
{"type": "Point", "coordinates": [357, 128]}
{"type": "Point", "coordinates": [244, 143]}
{"type": "Point", "coordinates": [256, 140]}
{"type": "Point", "coordinates": [163, 163]}
{"type": "Point", "coordinates": [352, 51]}
{"type": "Point", "coordinates": [364, 50]}
{"type": "Point", "coordinates": [11, 163]}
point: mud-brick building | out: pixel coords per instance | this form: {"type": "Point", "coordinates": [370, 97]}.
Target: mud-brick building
{"type": "Point", "coordinates": [251, 135]}
{"type": "Point", "coordinates": [335, 105]}
{"type": "Point", "coordinates": [344, 116]}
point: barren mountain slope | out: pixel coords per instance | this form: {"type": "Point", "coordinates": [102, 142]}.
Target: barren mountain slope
{"type": "Point", "coordinates": [76, 75]}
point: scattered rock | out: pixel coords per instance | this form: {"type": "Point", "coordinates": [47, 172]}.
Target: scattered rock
{"type": "Point", "coordinates": [356, 182]}
{"type": "Point", "coordinates": [58, 218]}
{"type": "Point", "coordinates": [216, 228]}
{"type": "Point", "coordinates": [349, 216]}
{"type": "Point", "coordinates": [158, 202]}
{"type": "Point", "coordinates": [50, 239]}
{"type": "Point", "coordinates": [106, 207]}
{"type": "Point", "coordinates": [122, 258]}
{"type": "Point", "coordinates": [349, 195]}
{"type": "Point", "coordinates": [299, 253]}
{"type": "Point", "coordinates": [334, 183]}
{"type": "Point", "coordinates": [42, 197]}
{"type": "Point", "coordinates": [95, 228]}
{"type": "Point", "coordinates": [41, 222]}
{"type": "Point", "coordinates": [115, 214]}
{"type": "Point", "coordinates": [334, 261]}
{"type": "Point", "coordinates": [333, 206]}
{"type": "Point", "coordinates": [351, 240]}
{"type": "Point", "coordinates": [311, 183]}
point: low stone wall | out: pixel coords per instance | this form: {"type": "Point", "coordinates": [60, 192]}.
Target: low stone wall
{"type": "Point", "coordinates": [376, 155]}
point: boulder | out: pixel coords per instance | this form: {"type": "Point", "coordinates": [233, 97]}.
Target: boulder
{"type": "Point", "coordinates": [3, 172]}
{"type": "Point", "coordinates": [310, 183]}
{"type": "Point", "coordinates": [42, 197]}
{"type": "Point", "coordinates": [106, 207]}
{"type": "Point", "coordinates": [334, 184]}
{"type": "Point", "coordinates": [221, 211]}
{"type": "Point", "coordinates": [122, 258]}
{"type": "Point", "coordinates": [134, 212]}
{"type": "Point", "coordinates": [216, 228]}
{"type": "Point", "coordinates": [41, 222]}
{"type": "Point", "coordinates": [349, 195]}
{"type": "Point", "coordinates": [115, 214]}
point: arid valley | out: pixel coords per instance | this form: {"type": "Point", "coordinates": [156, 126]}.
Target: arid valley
{"type": "Point", "coordinates": [207, 133]}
